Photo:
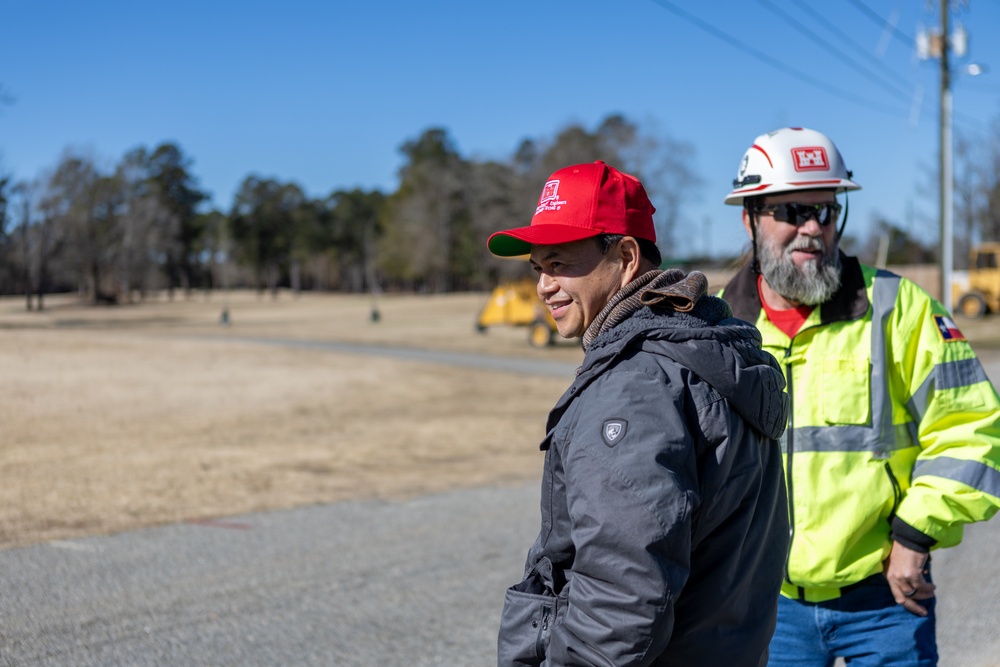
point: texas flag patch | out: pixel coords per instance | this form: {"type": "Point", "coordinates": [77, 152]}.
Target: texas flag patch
{"type": "Point", "coordinates": [946, 327]}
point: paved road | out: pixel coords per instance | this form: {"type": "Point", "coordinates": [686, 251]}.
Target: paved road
{"type": "Point", "coordinates": [416, 583]}
{"type": "Point", "coordinates": [444, 357]}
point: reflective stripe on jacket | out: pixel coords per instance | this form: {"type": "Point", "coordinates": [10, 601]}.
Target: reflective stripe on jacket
{"type": "Point", "coordinates": [894, 429]}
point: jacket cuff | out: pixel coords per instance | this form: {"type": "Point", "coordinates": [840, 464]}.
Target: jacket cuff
{"type": "Point", "coordinates": [910, 537]}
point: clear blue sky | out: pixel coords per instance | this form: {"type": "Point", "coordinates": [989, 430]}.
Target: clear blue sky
{"type": "Point", "coordinates": [324, 93]}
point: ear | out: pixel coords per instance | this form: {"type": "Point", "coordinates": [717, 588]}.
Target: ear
{"type": "Point", "coordinates": [631, 258]}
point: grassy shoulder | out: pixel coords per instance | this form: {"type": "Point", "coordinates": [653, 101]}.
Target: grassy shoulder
{"type": "Point", "coordinates": [118, 417]}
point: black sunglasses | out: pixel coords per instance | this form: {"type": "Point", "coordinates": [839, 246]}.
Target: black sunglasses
{"type": "Point", "coordinates": [798, 214]}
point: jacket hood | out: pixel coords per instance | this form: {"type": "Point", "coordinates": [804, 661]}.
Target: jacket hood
{"type": "Point", "coordinates": [724, 351]}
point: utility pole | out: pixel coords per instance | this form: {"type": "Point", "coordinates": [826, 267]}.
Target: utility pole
{"type": "Point", "coordinates": [941, 44]}
{"type": "Point", "coordinates": [945, 161]}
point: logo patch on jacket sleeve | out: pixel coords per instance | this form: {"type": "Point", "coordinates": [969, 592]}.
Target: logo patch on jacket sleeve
{"type": "Point", "coordinates": [613, 431]}
{"type": "Point", "coordinates": [948, 330]}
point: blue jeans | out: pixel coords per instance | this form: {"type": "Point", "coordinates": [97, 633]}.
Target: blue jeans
{"type": "Point", "coordinates": [864, 626]}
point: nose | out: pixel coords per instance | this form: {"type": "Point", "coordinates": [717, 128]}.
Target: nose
{"type": "Point", "coordinates": [546, 285]}
{"type": "Point", "coordinates": [811, 227]}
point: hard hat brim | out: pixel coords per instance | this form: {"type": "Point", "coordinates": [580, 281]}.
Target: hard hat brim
{"type": "Point", "coordinates": [736, 197]}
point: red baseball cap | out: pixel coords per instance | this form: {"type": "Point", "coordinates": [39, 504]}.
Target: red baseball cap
{"type": "Point", "coordinates": [579, 202]}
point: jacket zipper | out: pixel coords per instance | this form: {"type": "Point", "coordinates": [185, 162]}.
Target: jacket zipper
{"type": "Point", "coordinates": [897, 492]}
{"type": "Point", "coordinates": [542, 631]}
{"type": "Point", "coordinates": [790, 447]}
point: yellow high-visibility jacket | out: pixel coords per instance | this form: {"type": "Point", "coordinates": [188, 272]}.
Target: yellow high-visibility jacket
{"type": "Point", "coordinates": [894, 428]}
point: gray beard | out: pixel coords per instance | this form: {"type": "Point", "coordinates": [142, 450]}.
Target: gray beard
{"type": "Point", "coordinates": [811, 285]}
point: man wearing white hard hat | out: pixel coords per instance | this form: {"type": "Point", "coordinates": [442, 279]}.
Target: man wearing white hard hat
{"type": "Point", "coordinates": [893, 439]}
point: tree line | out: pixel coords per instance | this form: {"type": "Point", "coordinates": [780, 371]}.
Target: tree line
{"type": "Point", "coordinates": [116, 235]}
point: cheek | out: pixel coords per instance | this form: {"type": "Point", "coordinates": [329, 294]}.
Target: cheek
{"type": "Point", "coordinates": [830, 235]}
{"type": "Point", "coordinates": [610, 283]}
{"type": "Point", "coordinates": [786, 240]}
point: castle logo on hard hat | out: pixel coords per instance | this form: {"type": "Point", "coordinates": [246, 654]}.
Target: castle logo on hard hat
{"type": "Point", "coordinates": [613, 431]}
{"type": "Point", "coordinates": [811, 158]}
{"type": "Point", "coordinates": [549, 201]}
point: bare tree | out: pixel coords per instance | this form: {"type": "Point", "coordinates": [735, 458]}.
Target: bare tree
{"type": "Point", "coordinates": [498, 198]}
{"type": "Point", "coordinates": [5, 194]}
{"type": "Point", "coordinates": [265, 223]}
{"type": "Point", "coordinates": [86, 206]}
{"type": "Point", "coordinates": [147, 227]}
{"type": "Point", "coordinates": [23, 195]}
{"type": "Point", "coordinates": [427, 219]}
{"type": "Point", "coordinates": [666, 167]}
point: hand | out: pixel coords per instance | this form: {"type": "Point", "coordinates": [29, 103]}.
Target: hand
{"type": "Point", "coordinates": [904, 570]}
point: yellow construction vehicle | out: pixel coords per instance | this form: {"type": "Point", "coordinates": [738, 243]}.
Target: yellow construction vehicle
{"type": "Point", "coordinates": [982, 295]}
{"type": "Point", "coordinates": [517, 304]}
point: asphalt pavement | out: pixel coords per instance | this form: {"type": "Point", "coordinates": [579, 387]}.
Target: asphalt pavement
{"type": "Point", "coordinates": [415, 583]}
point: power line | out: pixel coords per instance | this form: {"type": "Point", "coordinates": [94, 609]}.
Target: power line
{"type": "Point", "coordinates": [775, 63]}
{"type": "Point", "coordinates": [969, 122]}
{"type": "Point", "coordinates": [882, 23]}
{"type": "Point", "coordinates": [833, 28]}
{"type": "Point", "coordinates": [845, 57]}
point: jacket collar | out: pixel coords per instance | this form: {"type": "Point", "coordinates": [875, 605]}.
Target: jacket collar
{"type": "Point", "coordinates": [849, 302]}
{"type": "Point", "coordinates": [666, 324]}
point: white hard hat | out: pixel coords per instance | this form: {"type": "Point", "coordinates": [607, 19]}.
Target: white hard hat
{"type": "Point", "coordinates": [789, 159]}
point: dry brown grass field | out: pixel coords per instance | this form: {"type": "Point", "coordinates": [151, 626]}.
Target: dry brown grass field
{"type": "Point", "coordinates": [120, 417]}
{"type": "Point", "coordinates": [127, 416]}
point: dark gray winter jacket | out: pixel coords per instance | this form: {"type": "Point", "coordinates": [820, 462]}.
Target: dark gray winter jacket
{"type": "Point", "coordinates": [664, 525]}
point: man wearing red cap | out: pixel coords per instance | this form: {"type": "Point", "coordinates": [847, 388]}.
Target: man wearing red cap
{"type": "Point", "coordinates": [664, 525]}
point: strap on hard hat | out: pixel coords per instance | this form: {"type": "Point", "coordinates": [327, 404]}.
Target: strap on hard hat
{"type": "Point", "coordinates": [847, 208]}
{"type": "Point", "coordinates": [749, 205]}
